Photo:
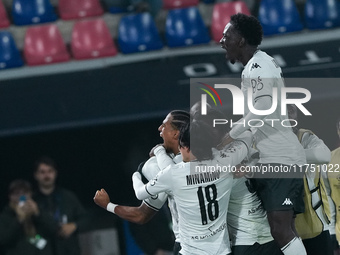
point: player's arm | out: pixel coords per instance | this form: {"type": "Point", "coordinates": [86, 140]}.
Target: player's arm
{"type": "Point", "coordinates": [262, 103]}
{"type": "Point", "coordinates": [163, 159]}
{"type": "Point", "coordinates": [161, 183]}
{"type": "Point", "coordinates": [139, 215]}
{"type": "Point", "coordinates": [235, 153]}
{"type": "Point", "coordinates": [315, 149]}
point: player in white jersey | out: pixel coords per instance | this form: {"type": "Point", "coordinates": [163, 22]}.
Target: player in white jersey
{"type": "Point", "coordinates": [169, 131]}
{"type": "Point", "coordinates": [201, 189]}
{"type": "Point", "coordinates": [278, 146]}
{"type": "Point", "coordinates": [248, 226]}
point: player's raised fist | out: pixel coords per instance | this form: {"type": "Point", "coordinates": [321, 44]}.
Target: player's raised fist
{"type": "Point", "coordinates": [101, 198]}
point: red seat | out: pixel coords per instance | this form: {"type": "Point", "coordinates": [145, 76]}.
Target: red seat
{"type": "Point", "coordinates": [4, 22]}
{"type": "Point", "coordinates": [221, 16]}
{"type": "Point", "coordinates": [44, 45]}
{"type": "Point", "coordinates": [75, 9]}
{"type": "Point", "coordinates": [173, 4]}
{"type": "Point", "coordinates": [92, 39]}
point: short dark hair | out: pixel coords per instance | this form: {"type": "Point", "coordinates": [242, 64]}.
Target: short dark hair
{"type": "Point", "coordinates": [179, 119]}
{"type": "Point", "coordinates": [18, 185]}
{"type": "Point", "coordinates": [45, 160]}
{"type": "Point", "coordinates": [213, 113]}
{"type": "Point", "coordinates": [184, 136]}
{"type": "Point", "coordinates": [201, 140]}
{"type": "Point", "coordinates": [249, 28]}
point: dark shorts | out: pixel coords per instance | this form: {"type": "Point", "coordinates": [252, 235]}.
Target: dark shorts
{"type": "Point", "coordinates": [319, 245]}
{"type": "Point", "coordinates": [280, 194]}
{"type": "Point", "coordinates": [269, 248]}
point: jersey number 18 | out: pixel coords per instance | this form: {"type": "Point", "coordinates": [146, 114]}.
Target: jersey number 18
{"type": "Point", "coordinates": [212, 203]}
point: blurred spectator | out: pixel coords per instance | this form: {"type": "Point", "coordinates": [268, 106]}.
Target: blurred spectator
{"type": "Point", "coordinates": [63, 205]}
{"type": "Point", "coordinates": [24, 229]}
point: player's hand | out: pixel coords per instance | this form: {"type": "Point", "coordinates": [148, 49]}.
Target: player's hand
{"type": "Point", "coordinates": [151, 154]}
{"type": "Point", "coordinates": [101, 198]}
{"type": "Point", "coordinates": [67, 229]}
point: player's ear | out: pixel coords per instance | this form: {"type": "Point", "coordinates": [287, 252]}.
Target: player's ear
{"type": "Point", "coordinates": [176, 134]}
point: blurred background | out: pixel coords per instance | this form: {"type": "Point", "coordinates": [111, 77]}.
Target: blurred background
{"type": "Point", "coordinates": [88, 83]}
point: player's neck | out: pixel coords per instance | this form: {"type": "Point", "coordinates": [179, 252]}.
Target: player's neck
{"type": "Point", "coordinates": [248, 53]}
{"type": "Point", "coordinates": [187, 156]}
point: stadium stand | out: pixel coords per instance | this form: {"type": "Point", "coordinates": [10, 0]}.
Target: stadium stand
{"type": "Point", "coordinates": [138, 32]}
{"type": "Point", "coordinates": [4, 22]}
{"type": "Point", "coordinates": [92, 39]}
{"type": "Point", "coordinates": [322, 14]}
{"type": "Point", "coordinates": [44, 45]}
{"type": "Point", "coordinates": [279, 17]}
{"type": "Point", "coordinates": [77, 9]}
{"type": "Point", "coordinates": [27, 12]}
{"type": "Point", "coordinates": [9, 54]}
{"type": "Point", "coordinates": [185, 27]}
{"type": "Point", "coordinates": [174, 4]}
{"type": "Point", "coordinates": [221, 16]}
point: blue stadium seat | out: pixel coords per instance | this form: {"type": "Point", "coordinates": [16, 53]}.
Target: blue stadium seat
{"type": "Point", "coordinates": [9, 53]}
{"type": "Point", "coordinates": [26, 12]}
{"type": "Point", "coordinates": [279, 17]}
{"type": "Point", "coordinates": [185, 27]}
{"type": "Point", "coordinates": [138, 32]}
{"type": "Point", "coordinates": [322, 14]}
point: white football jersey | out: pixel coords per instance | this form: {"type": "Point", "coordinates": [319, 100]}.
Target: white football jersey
{"type": "Point", "coordinates": [276, 143]}
{"type": "Point", "coordinates": [150, 170]}
{"type": "Point", "coordinates": [201, 191]}
{"type": "Point", "coordinates": [247, 220]}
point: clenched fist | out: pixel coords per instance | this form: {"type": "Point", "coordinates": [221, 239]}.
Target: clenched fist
{"type": "Point", "coordinates": [101, 198]}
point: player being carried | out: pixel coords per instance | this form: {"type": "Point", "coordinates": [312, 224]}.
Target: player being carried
{"type": "Point", "coordinates": [277, 145]}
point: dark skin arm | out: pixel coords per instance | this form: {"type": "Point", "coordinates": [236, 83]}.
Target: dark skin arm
{"type": "Point", "coordinates": [139, 215]}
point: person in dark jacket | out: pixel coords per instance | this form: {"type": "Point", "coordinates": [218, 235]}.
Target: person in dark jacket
{"type": "Point", "coordinates": [63, 205]}
{"type": "Point", "coordinates": [24, 229]}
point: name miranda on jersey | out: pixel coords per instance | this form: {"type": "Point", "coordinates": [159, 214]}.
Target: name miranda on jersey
{"type": "Point", "coordinates": [199, 178]}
